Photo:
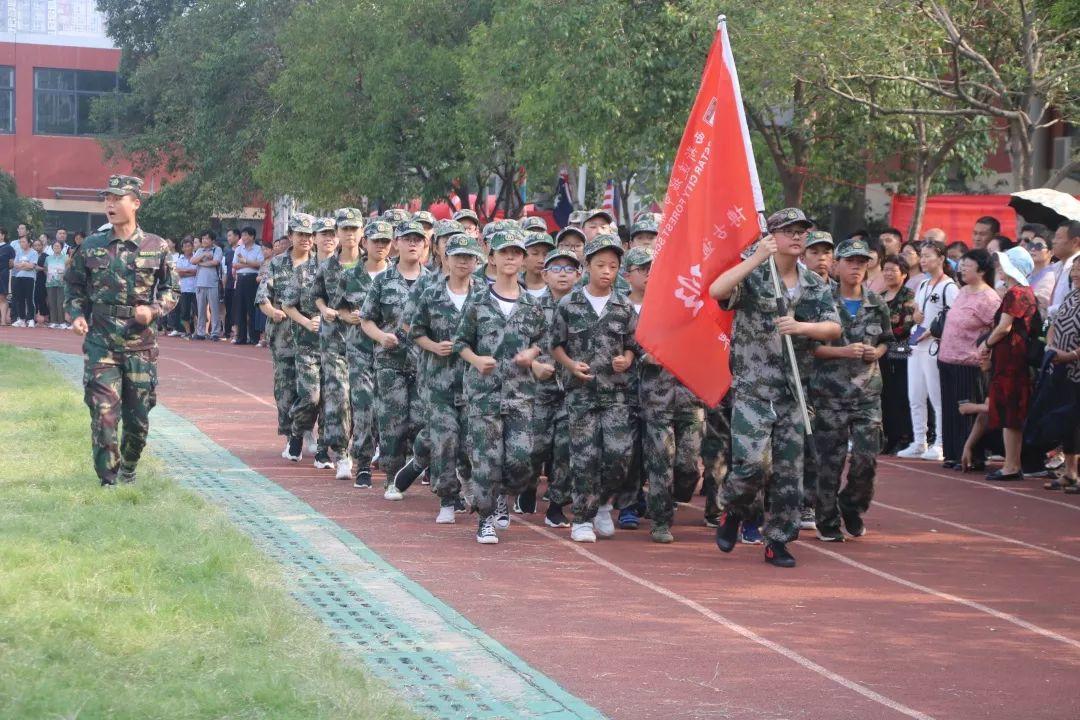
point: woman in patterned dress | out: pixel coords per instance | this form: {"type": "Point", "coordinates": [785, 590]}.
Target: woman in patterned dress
{"type": "Point", "coordinates": [1064, 340]}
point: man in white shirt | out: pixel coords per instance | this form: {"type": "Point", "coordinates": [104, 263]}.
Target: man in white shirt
{"type": "Point", "coordinates": [1066, 247]}
{"type": "Point", "coordinates": [247, 259]}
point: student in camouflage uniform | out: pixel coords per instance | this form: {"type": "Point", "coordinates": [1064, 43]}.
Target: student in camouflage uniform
{"type": "Point", "coordinates": [398, 407]}
{"type": "Point", "coordinates": [765, 410]}
{"type": "Point", "coordinates": [672, 421]}
{"type": "Point", "coordinates": [329, 299]}
{"type": "Point", "coordinates": [846, 390]}
{"type": "Point", "coordinates": [278, 276]}
{"type": "Point", "coordinates": [716, 456]}
{"type": "Point", "coordinates": [469, 222]}
{"type": "Point", "coordinates": [123, 279]}
{"type": "Point", "coordinates": [593, 339]}
{"type": "Point", "coordinates": [571, 239]}
{"type": "Point", "coordinates": [537, 247]}
{"type": "Point", "coordinates": [499, 336]}
{"type": "Point", "coordinates": [600, 222]}
{"type": "Point", "coordinates": [644, 231]}
{"type": "Point", "coordinates": [359, 348]}
{"type": "Point", "coordinates": [433, 319]}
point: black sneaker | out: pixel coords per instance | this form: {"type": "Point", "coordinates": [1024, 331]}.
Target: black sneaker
{"type": "Point", "coordinates": [776, 553]}
{"type": "Point", "coordinates": [295, 450]}
{"type": "Point", "coordinates": [555, 518]}
{"type": "Point", "coordinates": [407, 475]}
{"type": "Point", "coordinates": [727, 532]}
{"type": "Point", "coordinates": [425, 478]}
{"type": "Point", "coordinates": [322, 460]}
{"type": "Point", "coordinates": [526, 502]}
{"type": "Point", "coordinates": [108, 483]}
{"type": "Point", "coordinates": [126, 476]}
{"type": "Point", "coordinates": [363, 479]}
{"type": "Point", "coordinates": [853, 523]}
{"type": "Point", "coordinates": [827, 535]}
{"type": "Point", "coordinates": [485, 531]}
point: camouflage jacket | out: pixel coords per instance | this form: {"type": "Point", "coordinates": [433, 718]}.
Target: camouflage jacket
{"type": "Point", "coordinates": [385, 305]}
{"type": "Point", "coordinates": [758, 363]}
{"type": "Point", "coordinates": [434, 315]}
{"type": "Point", "coordinates": [330, 286]}
{"type": "Point", "coordinates": [621, 284]}
{"type": "Point", "coordinates": [596, 341]}
{"type": "Point", "coordinates": [552, 390]}
{"type": "Point", "coordinates": [279, 273]}
{"type": "Point", "coordinates": [121, 274]}
{"type": "Point", "coordinates": [300, 294]}
{"type": "Point", "coordinates": [847, 382]}
{"type": "Point", "coordinates": [487, 332]}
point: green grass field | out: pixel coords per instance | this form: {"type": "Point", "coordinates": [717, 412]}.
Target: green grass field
{"type": "Point", "coordinates": [141, 602]}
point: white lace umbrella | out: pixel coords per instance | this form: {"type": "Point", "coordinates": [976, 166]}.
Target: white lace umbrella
{"type": "Point", "coordinates": [1046, 206]}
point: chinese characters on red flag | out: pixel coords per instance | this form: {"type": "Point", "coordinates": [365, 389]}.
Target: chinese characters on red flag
{"type": "Point", "coordinates": [710, 217]}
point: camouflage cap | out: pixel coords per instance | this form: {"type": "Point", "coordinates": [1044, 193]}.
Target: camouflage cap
{"type": "Point", "coordinates": [302, 223]}
{"type": "Point", "coordinates": [466, 214]}
{"type": "Point", "coordinates": [379, 230]}
{"type": "Point", "coordinates": [487, 230]}
{"type": "Point", "coordinates": [509, 225]}
{"type": "Point", "coordinates": [855, 247]}
{"type": "Point", "coordinates": [448, 227]}
{"type": "Point", "coordinates": [501, 239]}
{"type": "Point", "coordinates": [638, 256]}
{"type": "Point", "coordinates": [564, 254]}
{"type": "Point", "coordinates": [396, 215]}
{"type": "Point", "coordinates": [569, 230]}
{"type": "Point", "coordinates": [577, 217]}
{"type": "Point", "coordinates": [123, 185]}
{"type": "Point", "coordinates": [462, 244]}
{"type": "Point", "coordinates": [604, 241]}
{"type": "Point", "coordinates": [648, 214]}
{"type": "Point", "coordinates": [819, 237]}
{"type": "Point", "coordinates": [538, 238]}
{"type": "Point", "coordinates": [349, 217]}
{"type": "Point", "coordinates": [534, 224]}
{"type": "Point", "coordinates": [409, 227]}
{"type": "Point", "coordinates": [424, 216]}
{"type": "Point", "coordinates": [325, 223]}
{"type": "Point", "coordinates": [646, 224]}
{"type": "Point", "coordinates": [785, 217]}
{"type": "Point", "coordinates": [597, 212]}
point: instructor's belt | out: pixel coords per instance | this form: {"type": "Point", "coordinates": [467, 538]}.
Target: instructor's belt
{"type": "Point", "coordinates": [116, 311]}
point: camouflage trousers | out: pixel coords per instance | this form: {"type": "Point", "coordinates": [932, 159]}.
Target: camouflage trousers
{"type": "Point", "coordinates": [361, 408]}
{"type": "Point", "coordinates": [448, 461]}
{"type": "Point", "coordinates": [833, 427]}
{"type": "Point", "coordinates": [716, 454]}
{"type": "Point", "coordinates": [119, 386]}
{"type": "Point", "coordinates": [763, 429]}
{"type": "Point", "coordinates": [284, 390]}
{"type": "Point", "coordinates": [335, 415]}
{"type": "Point", "coordinates": [551, 450]}
{"type": "Point", "coordinates": [671, 444]}
{"type": "Point", "coordinates": [635, 468]}
{"type": "Point", "coordinates": [500, 452]}
{"type": "Point", "coordinates": [305, 409]}
{"type": "Point", "coordinates": [423, 445]}
{"type": "Point", "coordinates": [399, 413]}
{"type": "Point", "coordinates": [601, 443]}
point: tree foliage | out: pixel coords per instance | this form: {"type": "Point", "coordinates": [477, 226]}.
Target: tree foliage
{"type": "Point", "coordinates": [16, 208]}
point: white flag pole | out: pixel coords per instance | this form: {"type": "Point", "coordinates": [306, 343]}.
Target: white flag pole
{"type": "Point", "coordinates": [759, 206]}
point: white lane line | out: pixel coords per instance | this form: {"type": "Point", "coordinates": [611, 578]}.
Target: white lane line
{"type": "Point", "coordinates": [982, 484]}
{"type": "Point", "coordinates": [733, 626]}
{"type": "Point", "coordinates": [200, 351]}
{"type": "Point", "coordinates": [977, 531]}
{"type": "Point", "coordinates": [1031, 627]}
{"type": "Point", "coordinates": [242, 391]}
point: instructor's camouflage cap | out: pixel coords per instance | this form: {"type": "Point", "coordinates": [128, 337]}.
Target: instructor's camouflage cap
{"type": "Point", "coordinates": [466, 214]}
{"type": "Point", "coordinates": [534, 224]}
{"type": "Point", "coordinates": [379, 230]}
{"type": "Point", "coordinates": [856, 247]}
{"type": "Point", "coordinates": [409, 227]}
{"type": "Point", "coordinates": [424, 216]}
{"type": "Point", "coordinates": [448, 227]}
{"type": "Point", "coordinates": [604, 241]}
{"type": "Point", "coordinates": [565, 254]}
{"type": "Point", "coordinates": [646, 224]}
{"type": "Point", "coordinates": [503, 239]}
{"type": "Point", "coordinates": [636, 257]}
{"type": "Point", "coordinates": [396, 215]}
{"type": "Point", "coordinates": [785, 217]}
{"type": "Point", "coordinates": [302, 223]}
{"type": "Point", "coordinates": [349, 217]}
{"type": "Point", "coordinates": [577, 217]}
{"type": "Point", "coordinates": [462, 244]}
{"type": "Point", "coordinates": [538, 238]}
{"type": "Point", "coordinates": [123, 185]}
{"type": "Point", "coordinates": [819, 237]}
{"type": "Point", "coordinates": [325, 223]}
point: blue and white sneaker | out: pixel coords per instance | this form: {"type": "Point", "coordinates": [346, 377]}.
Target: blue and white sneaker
{"type": "Point", "coordinates": [750, 533]}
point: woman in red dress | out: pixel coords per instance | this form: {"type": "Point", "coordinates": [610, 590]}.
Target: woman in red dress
{"type": "Point", "coordinates": [1010, 375]}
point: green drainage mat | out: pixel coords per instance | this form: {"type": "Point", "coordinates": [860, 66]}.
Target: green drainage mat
{"type": "Point", "coordinates": [442, 664]}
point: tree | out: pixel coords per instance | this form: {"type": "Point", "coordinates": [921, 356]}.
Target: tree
{"type": "Point", "coordinates": [16, 208]}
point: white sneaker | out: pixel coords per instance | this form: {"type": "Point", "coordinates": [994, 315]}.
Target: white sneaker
{"type": "Point", "coordinates": [30, 323]}
{"type": "Point", "coordinates": [502, 513]}
{"type": "Point", "coordinates": [582, 532]}
{"type": "Point", "coordinates": [375, 457]}
{"type": "Point", "coordinates": [603, 524]}
{"type": "Point", "coordinates": [485, 533]}
{"type": "Point", "coordinates": [344, 469]}
{"type": "Point", "coordinates": [912, 451]}
{"type": "Point", "coordinates": [392, 493]}
{"type": "Point", "coordinates": [311, 442]}
{"type": "Point", "coordinates": [446, 516]}
{"type": "Point", "coordinates": [18, 323]}
{"type": "Point", "coordinates": [933, 453]}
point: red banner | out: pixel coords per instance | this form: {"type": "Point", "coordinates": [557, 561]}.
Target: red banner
{"type": "Point", "coordinates": [710, 217]}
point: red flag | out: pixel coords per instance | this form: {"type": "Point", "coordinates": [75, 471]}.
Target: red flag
{"type": "Point", "coordinates": [710, 216]}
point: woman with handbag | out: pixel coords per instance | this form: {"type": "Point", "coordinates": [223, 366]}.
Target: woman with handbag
{"type": "Point", "coordinates": [1063, 341]}
{"type": "Point", "coordinates": [895, 408]}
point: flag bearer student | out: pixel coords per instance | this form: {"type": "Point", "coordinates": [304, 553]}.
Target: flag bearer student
{"type": "Point", "coordinates": [537, 247]}
{"type": "Point", "coordinates": [330, 299]}
{"type": "Point", "coordinates": [398, 406]}
{"type": "Point", "coordinates": [499, 335]}
{"type": "Point", "coordinates": [765, 410]}
{"type": "Point", "coordinates": [278, 277]}
{"type": "Point", "coordinates": [359, 348]}
{"type": "Point", "coordinates": [672, 420]}
{"type": "Point", "coordinates": [433, 319]}
{"type": "Point", "coordinates": [593, 339]}
{"type": "Point", "coordinates": [846, 392]}
{"type": "Point", "coordinates": [550, 431]}
{"type": "Point", "coordinates": [298, 302]}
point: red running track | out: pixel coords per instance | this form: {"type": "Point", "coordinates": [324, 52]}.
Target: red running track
{"type": "Point", "coordinates": [959, 603]}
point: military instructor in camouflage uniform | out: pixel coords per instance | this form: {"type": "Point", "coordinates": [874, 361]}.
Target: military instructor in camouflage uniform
{"type": "Point", "coordinates": [123, 280]}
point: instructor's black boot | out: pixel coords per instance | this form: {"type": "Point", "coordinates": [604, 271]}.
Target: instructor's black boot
{"type": "Point", "coordinates": [407, 475]}
{"type": "Point", "coordinates": [727, 532]}
{"type": "Point", "coordinates": [776, 553]}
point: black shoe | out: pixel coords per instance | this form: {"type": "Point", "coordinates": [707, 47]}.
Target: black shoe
{"type": "Point", "coordinates": [949, 464]}
{"type": "Point", "coordinates": [526, 502]}
{"type": "Point", "coordinates": [853, 522]}
{"type": "Point", "coordinates": [407, 475]}
{"type": "Point", "coordinates": [323, 461]}
{"type": "Point", "coordinates": [833, 535]}
{"type": "Point", "coordinates": [999, 476]}
{"type": "Point", "coordinates": [555, 517]}
{"type": "Point", "coordinates": [108, 483]}
{"type": "Point", "coordinates": [460, 506]}
{"type": "Point", "coordinates": [776, 553]}
{"type": "Point", "coordinates": [727, 532]}
{"type": "Point", "coordinates": [296, 448]}
{"type": "Point", "coordinates": [126, 476]}
{"type": "Point", "coordinates": [363, 480]}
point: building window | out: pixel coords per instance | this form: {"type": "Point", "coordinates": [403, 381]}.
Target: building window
{"type": "Point", "coordinates": [63, 100]}
{"type": "Point", "coordinates": [7, 99]}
